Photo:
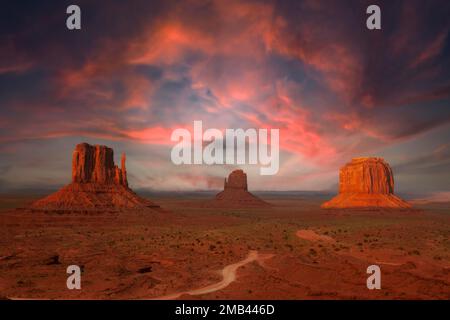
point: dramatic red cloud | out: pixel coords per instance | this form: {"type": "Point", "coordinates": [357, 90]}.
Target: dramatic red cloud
{"type": "Point", "coordinates": [308, 68]}
{"type": "Point", "coordinates": [168, 40]}
{"type": "Point", "coordinates": [156, 135]}
{"type": "Point", "coordinates": [233, 66]}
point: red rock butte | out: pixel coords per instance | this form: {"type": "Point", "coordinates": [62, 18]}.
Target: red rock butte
{"type": "Point", "coordinates": [235, 193]}
{"type": "Point", "coordinates": [366, 183]}
{"type": "Point", "coordinates": [97, 185]}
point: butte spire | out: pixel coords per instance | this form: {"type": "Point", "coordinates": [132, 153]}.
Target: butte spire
{"type": "Point", "coordinates": [97, 185]}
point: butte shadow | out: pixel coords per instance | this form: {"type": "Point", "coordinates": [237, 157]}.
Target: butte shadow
{"type": "Point", "coordinates": [366, 183]}
{"type": "Point", "coordinates": [98, 185]}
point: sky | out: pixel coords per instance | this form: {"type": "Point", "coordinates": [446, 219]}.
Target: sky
{"type": "Point", "coordinates": [137, 70]}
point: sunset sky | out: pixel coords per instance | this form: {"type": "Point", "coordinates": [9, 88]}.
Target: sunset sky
{"type": "Point", "coordinates": [139, 69]}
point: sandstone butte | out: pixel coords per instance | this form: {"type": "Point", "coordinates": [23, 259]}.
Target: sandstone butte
{"type": "Point", "coordinates": [97, 185]}
{"type": "Point", "coordinates": [235, 192]}
{"type": "Point", "coordinates": [366, 183]}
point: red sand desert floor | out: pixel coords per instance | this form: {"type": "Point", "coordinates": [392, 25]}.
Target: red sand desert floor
{"type": "Point", "coordinates": [293, 250]}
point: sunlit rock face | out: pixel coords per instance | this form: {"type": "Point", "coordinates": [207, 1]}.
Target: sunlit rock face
{"type": "Point", "coordinates": [366, 182]}
{"type": "Point", "coordinates": [95, 164]}
{"type": "Point", "coordinates": [366, 175]}
{"type": "Point", "coordinates": [97, 185]}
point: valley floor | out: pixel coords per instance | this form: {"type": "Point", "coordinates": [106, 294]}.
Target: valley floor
{"type": "Point", "coordinates": [293, 250]}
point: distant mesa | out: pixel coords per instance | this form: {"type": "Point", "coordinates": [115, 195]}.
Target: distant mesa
{"type": "Point", "coordinates": [237, 180]}
{"type": "Point", "coordinates": [366, 183]}
{"type": "Point", "coordinates": [235, 193]}
{"type": "Point", "coordinates": [97, 185]}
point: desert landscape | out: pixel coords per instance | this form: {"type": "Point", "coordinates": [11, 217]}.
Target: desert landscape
{"type": "Point", "coordinates": [238, 149]}
{"type": "Point", "coordinates": [235, 245]}
{"type": "Point", "coordinates": [310, 253]}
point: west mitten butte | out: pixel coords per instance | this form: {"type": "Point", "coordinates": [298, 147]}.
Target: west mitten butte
{"type": "Point", "coordinates": [97, 185]}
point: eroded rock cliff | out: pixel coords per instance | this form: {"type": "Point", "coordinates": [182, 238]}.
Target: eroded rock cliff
{"type": "Point", "coordinates": [97, 185]}
{"type": "Point", "coordinates": [366, 182]}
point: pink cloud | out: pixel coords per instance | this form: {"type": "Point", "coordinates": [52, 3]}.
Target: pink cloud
{"type": "Point", "coordinates": [155, 135]}
{"type": "Point", "coordinates": [431, 51]}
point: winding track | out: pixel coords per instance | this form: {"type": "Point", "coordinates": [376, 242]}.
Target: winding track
{"type": "Point", "coordinates": [228, 274]}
